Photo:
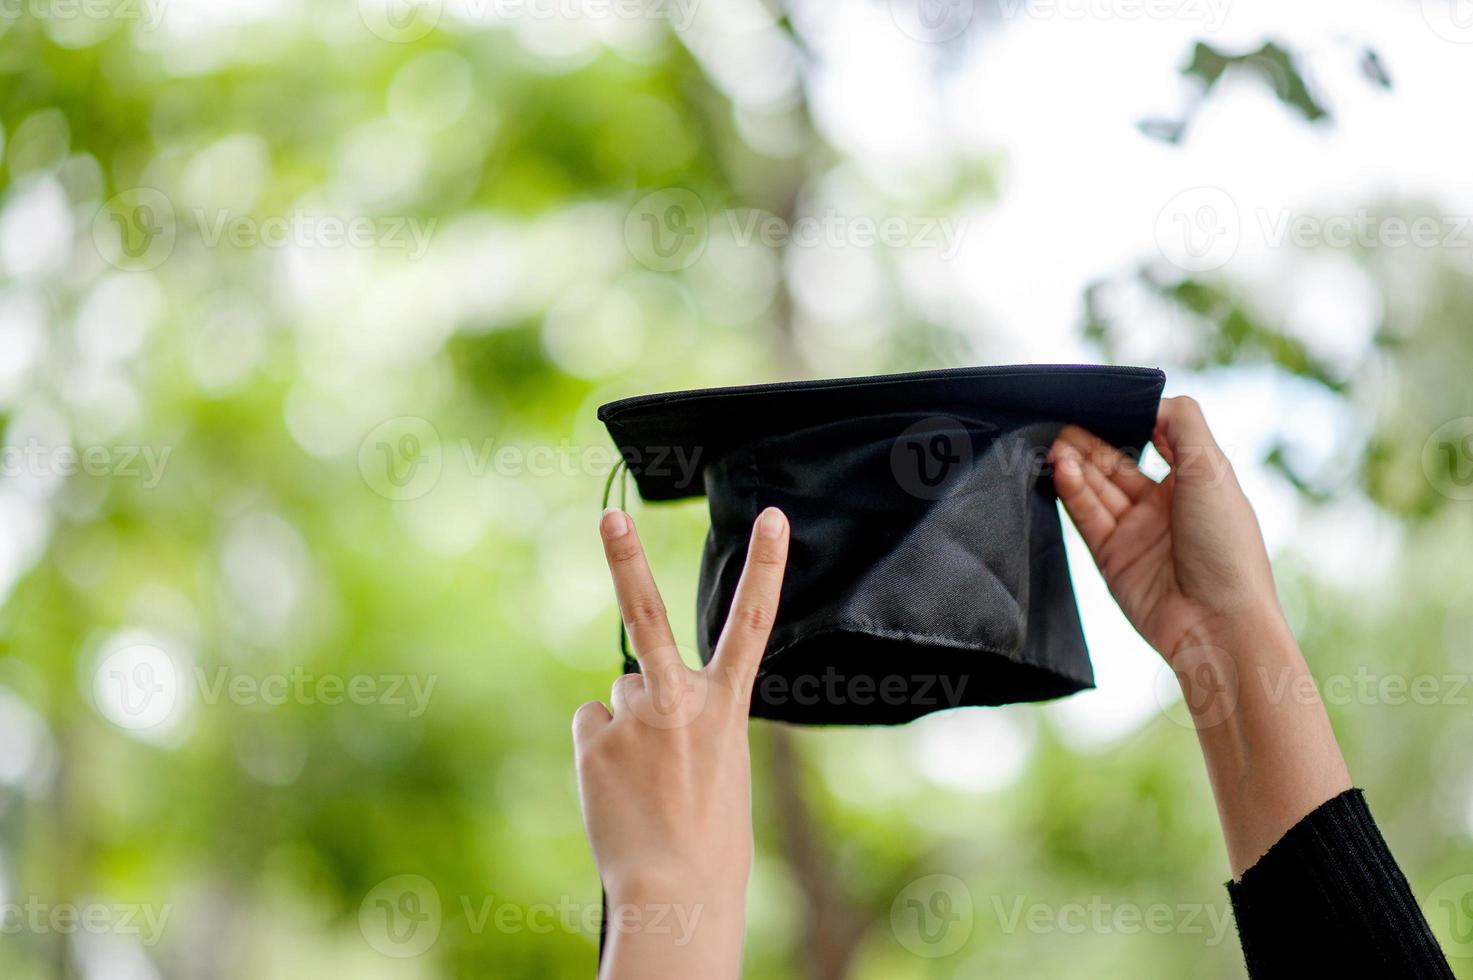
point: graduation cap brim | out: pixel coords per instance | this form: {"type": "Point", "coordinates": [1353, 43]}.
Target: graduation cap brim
{"type": "Point", "coordinates": [668, 439]}
{"type": "Point", "coordinates": [926, 565]}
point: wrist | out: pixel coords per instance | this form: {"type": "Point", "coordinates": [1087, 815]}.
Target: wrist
{"type": "Point", "coordinates": [1254, 633]}
{"type": "Point", "coordinates": [1270, 751]}
{"type": "Point", "coordinates": [718, 904]}
{"type": "Point", "coordinates": [677, 876]}
{"type": "Point", "coordinates": [663, 927]}
{"type": "Point", "coordinates": [660, 888]}
{"type": "Point", "coordinates": [1249, 661]}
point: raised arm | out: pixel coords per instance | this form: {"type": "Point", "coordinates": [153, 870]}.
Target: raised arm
{"type": "Point", "coordinates": [1315, 885]}
{"type": "Point", "coordinates": [665, 776]}
{"type": "Point", "coordinates": [1185, 560]}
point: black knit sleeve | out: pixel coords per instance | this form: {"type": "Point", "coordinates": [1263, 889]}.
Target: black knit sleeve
{"type": "Point", "coordinates": [1329, 900]}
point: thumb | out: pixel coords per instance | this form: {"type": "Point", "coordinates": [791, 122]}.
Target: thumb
{"type": "Point", "coordinates": [1187, 443]}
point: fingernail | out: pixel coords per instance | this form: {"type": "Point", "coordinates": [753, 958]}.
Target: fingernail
{"type": "Point", "coordinates": [615, 524]}
{"type": "Point", "coordinates": [1069, 462]}
{"type": "Point", "coordinates": [770, 523]}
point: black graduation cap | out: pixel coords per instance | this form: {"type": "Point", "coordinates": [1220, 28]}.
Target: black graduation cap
{"type": "Point", "coordinates": [926, 566]}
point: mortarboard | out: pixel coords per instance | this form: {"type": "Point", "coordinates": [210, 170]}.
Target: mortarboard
{"type": "Point", "coordinates": [926, 566]}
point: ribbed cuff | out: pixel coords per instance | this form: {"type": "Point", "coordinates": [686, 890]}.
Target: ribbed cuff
{"type": "Point", "coordinates": [1329, 899]}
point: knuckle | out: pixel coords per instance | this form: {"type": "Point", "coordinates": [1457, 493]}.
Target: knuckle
{"type": "Point", "coordinates": [756, 618]}
{"type": "Point", "coordinates": [1187, 404]}
{"type": "Point", "coordinates": [674, 672]}
{"type": "Point", "coordinates": [584, 721]}
{"type": "Point", "coordinates": [646, 608]}
{"type": "Point", "coordinates": [623, 551]}
{"type": "Point", "coordinates": [767, 556]}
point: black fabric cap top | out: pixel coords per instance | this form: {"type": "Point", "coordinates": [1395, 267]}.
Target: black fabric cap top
{"type": "Point", "coordinates": [926, 566]}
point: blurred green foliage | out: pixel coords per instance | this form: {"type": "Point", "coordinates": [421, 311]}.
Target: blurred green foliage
{"type": "Point", "coordinates": [274, 544]}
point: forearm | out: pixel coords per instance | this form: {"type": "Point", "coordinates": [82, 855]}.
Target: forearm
{"type": "Point", "coordinates": [1271, 754]}
{"type": "Point", "coordinates": [656, 933]}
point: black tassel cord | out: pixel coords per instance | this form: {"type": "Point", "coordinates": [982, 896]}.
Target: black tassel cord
{"type": "Point", "coordinates": [631, 666]}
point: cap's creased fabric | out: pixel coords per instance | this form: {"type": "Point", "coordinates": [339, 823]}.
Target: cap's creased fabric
{"type": "Point", "coordinates": [926, 568]}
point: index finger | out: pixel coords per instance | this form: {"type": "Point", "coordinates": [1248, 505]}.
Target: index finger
{"type": "Point", "coordinates": [1107, 467]}
{"type": "Point", "coordinates": [639, 598]}
{"type": "Point", "coordinates": [754, 609]}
